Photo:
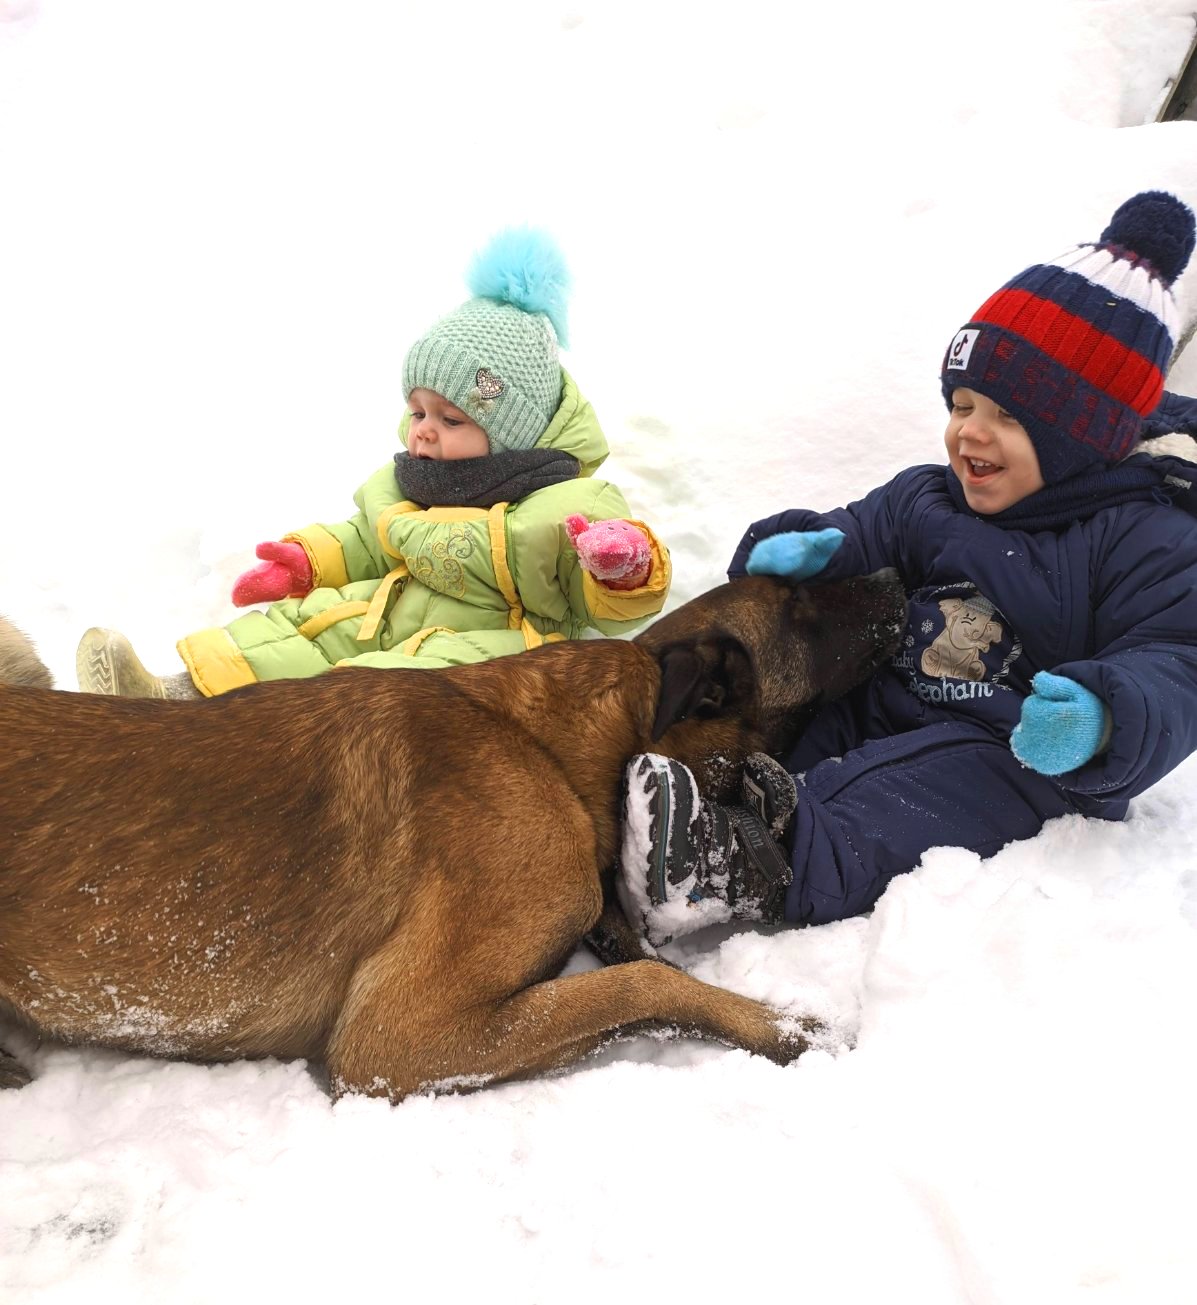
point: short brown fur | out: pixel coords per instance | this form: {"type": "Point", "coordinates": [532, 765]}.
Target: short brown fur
{"type": "Point", "coordinates": [386, 870]}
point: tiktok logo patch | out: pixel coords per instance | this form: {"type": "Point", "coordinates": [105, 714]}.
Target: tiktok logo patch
{"type": "Point", "coordinates": [961, 348]}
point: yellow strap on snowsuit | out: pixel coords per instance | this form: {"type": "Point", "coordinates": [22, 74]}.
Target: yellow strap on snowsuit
{"type": "Point", "coordinates": [498, 559]}
{"type": "Point", "coordinates": [516, 620]}
{"type": "Point", "coordinates": [498, 555]}
{"type": "Point", "coordinates": [388, 515]}
{"type": "Point", "coordinates": [411, 646]}
{"type": "Point", "coordinates": [379, 601]}
{"type": "Point", "coordinates": [317, 624]}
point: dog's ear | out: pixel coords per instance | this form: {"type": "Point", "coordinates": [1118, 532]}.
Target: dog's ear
{"type": "Point", "coordinates": [702, 678]}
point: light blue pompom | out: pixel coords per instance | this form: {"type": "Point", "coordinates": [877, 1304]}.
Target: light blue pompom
{"type": "Point", "coordinates": [524, 267]}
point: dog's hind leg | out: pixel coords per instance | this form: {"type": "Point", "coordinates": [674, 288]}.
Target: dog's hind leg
{"type": "Point", "coordinates": [396, 1037]}
{"type": "Point", "coordinates": [555, 1023]}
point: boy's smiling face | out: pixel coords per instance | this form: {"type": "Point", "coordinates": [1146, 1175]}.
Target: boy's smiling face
{"type": "Point", "coordinates": [441, 431]}
{"type": "Point", "coordinates": [991, 453]}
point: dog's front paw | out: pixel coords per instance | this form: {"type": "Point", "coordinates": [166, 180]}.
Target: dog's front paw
{"type": "Point", "coordinates": [12, 1073]}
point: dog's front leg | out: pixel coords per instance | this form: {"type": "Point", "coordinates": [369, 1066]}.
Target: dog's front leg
{"type": "Point", "coordinates": [12, 1073]}
{"type": "Point", "coordinates": [611, 938]}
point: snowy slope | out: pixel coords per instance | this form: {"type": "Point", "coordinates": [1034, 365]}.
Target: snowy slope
{"type": "Point", "coordinates": [221, 226]}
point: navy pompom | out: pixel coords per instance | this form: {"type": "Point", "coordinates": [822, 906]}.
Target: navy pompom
{"type": "Point", "coordinates": [1155, 226]}
{"type": "Point", "coordinates": [523, 267]}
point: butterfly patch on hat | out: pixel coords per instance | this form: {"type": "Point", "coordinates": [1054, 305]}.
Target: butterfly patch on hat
{"type": "Point", "coordinates": [487, 388]}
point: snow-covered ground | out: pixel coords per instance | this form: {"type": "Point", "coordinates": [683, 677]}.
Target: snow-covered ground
{"type": "Point", "coordinates": [221, 225]}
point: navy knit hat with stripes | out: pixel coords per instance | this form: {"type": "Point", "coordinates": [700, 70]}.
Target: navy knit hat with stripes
{"type": "Point", "coordinates": [1076, 349]}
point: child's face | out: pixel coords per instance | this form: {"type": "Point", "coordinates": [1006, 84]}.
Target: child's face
{"type": "Point", "coordinates": [991, 452]}
{"type": "Point", "coordinates": [439, 430]}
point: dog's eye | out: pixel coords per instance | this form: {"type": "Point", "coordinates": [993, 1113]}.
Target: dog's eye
{"type": "Point", "coordinates": [801, 606]}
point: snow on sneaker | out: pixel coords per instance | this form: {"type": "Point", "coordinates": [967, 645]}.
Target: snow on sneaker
{"type": "Point", "coordinates": [660, 827]}
{"type": "Point", "coordinates": [686, 864]}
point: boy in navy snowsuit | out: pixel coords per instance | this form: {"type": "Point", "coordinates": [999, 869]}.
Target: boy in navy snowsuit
{"type": "Point", "coordinates": [1049, 663]}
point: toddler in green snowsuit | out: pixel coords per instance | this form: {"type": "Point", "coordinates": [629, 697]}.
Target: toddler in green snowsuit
{"type": "Point", "coordinates": [487, 536]}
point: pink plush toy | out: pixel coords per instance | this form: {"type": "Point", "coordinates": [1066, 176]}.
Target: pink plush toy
{"type": "Point", "coordinates": [283, 573]}
{"type": "Point", "coordinates": [615, 552]}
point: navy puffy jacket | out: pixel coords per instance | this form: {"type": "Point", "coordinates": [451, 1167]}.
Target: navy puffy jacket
{"type": "Point", "coordinates": [1110, 601]}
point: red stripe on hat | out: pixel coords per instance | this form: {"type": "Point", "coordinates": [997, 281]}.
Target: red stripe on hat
{"type": "Point", "coordinates": [1122, 373]}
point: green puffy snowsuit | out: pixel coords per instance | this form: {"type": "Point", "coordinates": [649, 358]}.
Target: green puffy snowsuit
{"type": "Point", "coordinates": [400, 584]}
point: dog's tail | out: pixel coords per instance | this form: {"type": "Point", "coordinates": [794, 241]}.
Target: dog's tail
{"type": "Point", "coordinates": [19, 662]}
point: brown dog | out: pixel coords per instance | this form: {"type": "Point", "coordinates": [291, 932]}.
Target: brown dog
{"type": "Point", "coordinates": [385, 869]}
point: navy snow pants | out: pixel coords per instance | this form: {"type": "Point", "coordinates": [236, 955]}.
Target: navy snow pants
{"type": "Point", "coordinates": [868, 808]}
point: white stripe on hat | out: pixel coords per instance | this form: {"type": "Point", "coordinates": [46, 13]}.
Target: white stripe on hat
{"type": "Point", "coordinates": [1121, 277]}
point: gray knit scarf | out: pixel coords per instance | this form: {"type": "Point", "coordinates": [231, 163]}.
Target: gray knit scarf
{"type": "Point", "coordinates": [481, 482]}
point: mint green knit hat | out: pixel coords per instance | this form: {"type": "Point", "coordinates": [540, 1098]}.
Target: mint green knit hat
{"type": "Point", "coordinates": [495, 357]}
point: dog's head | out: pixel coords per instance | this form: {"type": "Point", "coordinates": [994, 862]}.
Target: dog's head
{"type": "Point", "coordinates": [745, 666]}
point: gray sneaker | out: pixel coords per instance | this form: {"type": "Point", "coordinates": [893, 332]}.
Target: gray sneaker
{"type": "Point", "coordinates": [106, 663]}
{"type": "Point", "coordinates": [686, 863]}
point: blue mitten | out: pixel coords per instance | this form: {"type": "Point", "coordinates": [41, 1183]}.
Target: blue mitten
{"type": "Point", "coordinates": [794, 554]}
{"type": "Point", "coordinates": [1063, 725]}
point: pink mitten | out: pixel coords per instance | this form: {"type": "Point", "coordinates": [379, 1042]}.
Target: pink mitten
{"type": "Point", "coordinates": [615, 552]}
{"type": "Point", "coordinates": [284, 573]}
